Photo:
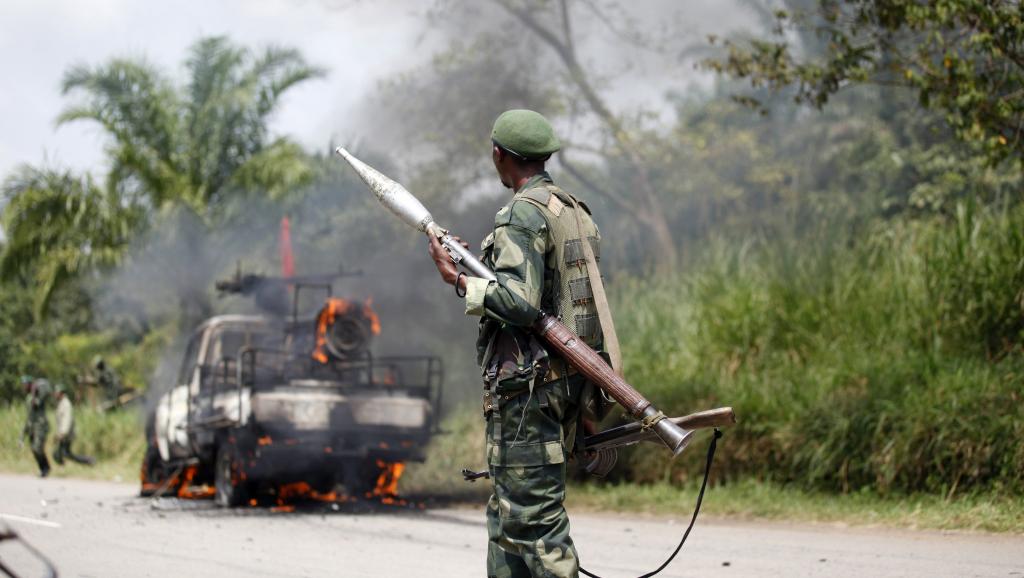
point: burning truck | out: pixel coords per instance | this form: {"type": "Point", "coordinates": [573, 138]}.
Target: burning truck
{"type": "Point", "coordinates": [288, 405]}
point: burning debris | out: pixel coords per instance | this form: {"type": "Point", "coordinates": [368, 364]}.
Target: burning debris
{"type": "Point", "coordinates": [286, 497]}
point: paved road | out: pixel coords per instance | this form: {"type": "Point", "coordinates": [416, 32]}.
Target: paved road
{"type": "Point", "coordinates": [101, 530]}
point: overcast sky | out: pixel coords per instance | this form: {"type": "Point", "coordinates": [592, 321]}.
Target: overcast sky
{"type": "Point", "coordinates": [40, 39]}
{"type": "Point", "coordinates": [359, 42]}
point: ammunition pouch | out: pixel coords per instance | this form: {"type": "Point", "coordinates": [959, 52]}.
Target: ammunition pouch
{"type": "Point", "coordinates": [559, 369]}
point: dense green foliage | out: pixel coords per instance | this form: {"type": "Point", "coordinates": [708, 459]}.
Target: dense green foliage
{"type": "Point", "coordinates": [963, 57]}
{"type": "Point", "coordinates": [891, 361]}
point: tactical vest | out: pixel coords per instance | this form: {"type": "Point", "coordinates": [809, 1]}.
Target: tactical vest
{"type": "Point", "coordinates": [567, 292]}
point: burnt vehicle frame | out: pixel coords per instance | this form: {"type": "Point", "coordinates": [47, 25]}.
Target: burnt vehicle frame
{"type": "Point", "coordinates": [265, 400]}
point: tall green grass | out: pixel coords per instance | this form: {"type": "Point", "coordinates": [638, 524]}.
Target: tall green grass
{"type": "Point", "coordinates": [115, 439]}
{"type": "Point", "coordinates": [887, 360]}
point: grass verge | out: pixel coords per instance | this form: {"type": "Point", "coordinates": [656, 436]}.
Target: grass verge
{"type": "Point", "coordinates": [750, 499]}
{"type": "Point", "coordinates": [746, 498]}
{"type": "Point", "coordinates": [114, 439]}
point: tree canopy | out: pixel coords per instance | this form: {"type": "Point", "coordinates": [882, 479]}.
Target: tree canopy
{"type": "Point", "coordinates": [964, 58]}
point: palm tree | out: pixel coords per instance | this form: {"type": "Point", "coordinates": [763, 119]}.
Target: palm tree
{"type": "Point", "coordinates": [202, 142]}
{"type": "Point", "coordinates": [58, 226]}
{"type": "Point", "coordinates": [197, 147]}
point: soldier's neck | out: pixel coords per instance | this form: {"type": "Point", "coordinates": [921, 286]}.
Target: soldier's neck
{"type": "Point", "coordinates": [520, 179]}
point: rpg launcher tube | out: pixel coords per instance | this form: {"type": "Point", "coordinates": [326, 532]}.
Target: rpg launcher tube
{"type": "Point", "coordinates": [593, 366]}
{"type": "Point", "coordinates": [551, 330]}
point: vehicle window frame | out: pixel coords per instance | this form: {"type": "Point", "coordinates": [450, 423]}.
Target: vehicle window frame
{"type": "Point", "coordinates": [191, 359]}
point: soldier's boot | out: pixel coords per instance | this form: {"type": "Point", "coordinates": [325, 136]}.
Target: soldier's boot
{"type": "Point", "coordinates": [58, 454]}
{"type": "Point", "coordinates": [43, 463]}
{"type": "Point", "coordinates": [39, 452]}
{"type": "Point", "coordinates": [84, 460]}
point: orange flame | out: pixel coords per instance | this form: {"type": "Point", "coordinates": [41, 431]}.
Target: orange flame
{"type": "Point", "coordinates": [371, 315]}
{"type": "Point", "coordinates": [302, 491]}
{"type": "Point", "coordinates": [336, 306]}
{"type": "Point", "coordinates": [387, 483]}
{"type": "Point", "coordinates": [188, 491]}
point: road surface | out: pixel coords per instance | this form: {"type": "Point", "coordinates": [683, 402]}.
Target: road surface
{"type": "Point", "coordinates": [102, 530]}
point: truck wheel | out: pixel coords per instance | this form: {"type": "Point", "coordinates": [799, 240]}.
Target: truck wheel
{"type": "Point", "coordinates": [155, 474]}
{"type": "Point", "coordinates": [231, 489]}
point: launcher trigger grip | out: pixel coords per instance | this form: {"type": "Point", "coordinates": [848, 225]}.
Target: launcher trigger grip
{"type": "Point", "coordinates": [469, 475]}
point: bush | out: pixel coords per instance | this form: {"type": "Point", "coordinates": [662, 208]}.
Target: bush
{"type": "Point", "coordinates": [888, 360]}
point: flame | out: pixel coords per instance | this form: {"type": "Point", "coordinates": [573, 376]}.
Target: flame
{"type": "Point", "coordinates": [336, 306]}
{"type": "Point", "coordinates": [387, 483]}
{"type": "Point", "coordinates": [371, 315]}
{"type": "Point", "coordinates": [302, 491]}
{"type": "Point", "coordinates": [333, 308]}
{"type": "Point", "coordinates": [187, 491]}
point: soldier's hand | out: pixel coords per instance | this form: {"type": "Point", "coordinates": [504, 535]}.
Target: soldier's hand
{"type": "Point", "coordinates": [445, 266]}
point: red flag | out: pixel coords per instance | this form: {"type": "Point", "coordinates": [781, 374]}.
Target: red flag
{"type": "Point", "coordinates": [287, 258]}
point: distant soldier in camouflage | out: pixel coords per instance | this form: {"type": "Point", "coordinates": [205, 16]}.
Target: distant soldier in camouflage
{"type": "Point", "coordinates": [65, 417]}
{"type": "Point", "coordinates": [37, 427]}
{"type": "Point", "coordinates": [535, 404]}
{"type": "Point", "coordinates": [109, 384]}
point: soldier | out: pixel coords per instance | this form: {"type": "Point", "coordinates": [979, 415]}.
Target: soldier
{"type": "Point", "coordinates": [36, 425]}
{"type": "Point", "coordinates": [110, 385]}
{"type": "Point", "coordinates": [66, 429]}
{"type": "Point", "coordinates": [534, 403]}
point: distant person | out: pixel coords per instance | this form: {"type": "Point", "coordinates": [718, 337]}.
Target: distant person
{"type": "Point", "coordinates": [37, 427]}
{"type": "Point", "coordinates": [110, 385]}
{"type": "Point", "coordinates": [66, 429]}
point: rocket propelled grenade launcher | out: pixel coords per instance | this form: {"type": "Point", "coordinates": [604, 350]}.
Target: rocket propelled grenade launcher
{"type": "Point", "coordinates": [408, 208]}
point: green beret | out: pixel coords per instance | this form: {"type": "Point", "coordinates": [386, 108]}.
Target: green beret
{"type": "Point", "coordinates": [525, 133]}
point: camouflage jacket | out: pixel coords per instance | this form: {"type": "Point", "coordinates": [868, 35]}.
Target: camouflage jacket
{"type": "Point", "coordinates": [517, 252]}
{"type": "Point", "coordinates": [35, 420]}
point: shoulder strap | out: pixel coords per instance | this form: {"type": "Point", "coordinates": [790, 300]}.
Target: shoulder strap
{"type": "Point", "coordinates": [604, 313]}
{"type": "Point", "coordinates": [538, 195]}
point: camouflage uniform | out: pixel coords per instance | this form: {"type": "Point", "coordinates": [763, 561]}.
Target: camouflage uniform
{"type": "Point", "coordinates": [533, 402]}
{"type": "Point", "coordinates": [37, 427]}
{"type": "Point", "coordinates": [110, 385]}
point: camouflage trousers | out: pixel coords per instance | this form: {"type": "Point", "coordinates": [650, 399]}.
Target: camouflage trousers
{"type": "Point", "coordinates": [529, 435]}
{"type": "Point", "coordinates": [37, 440]}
